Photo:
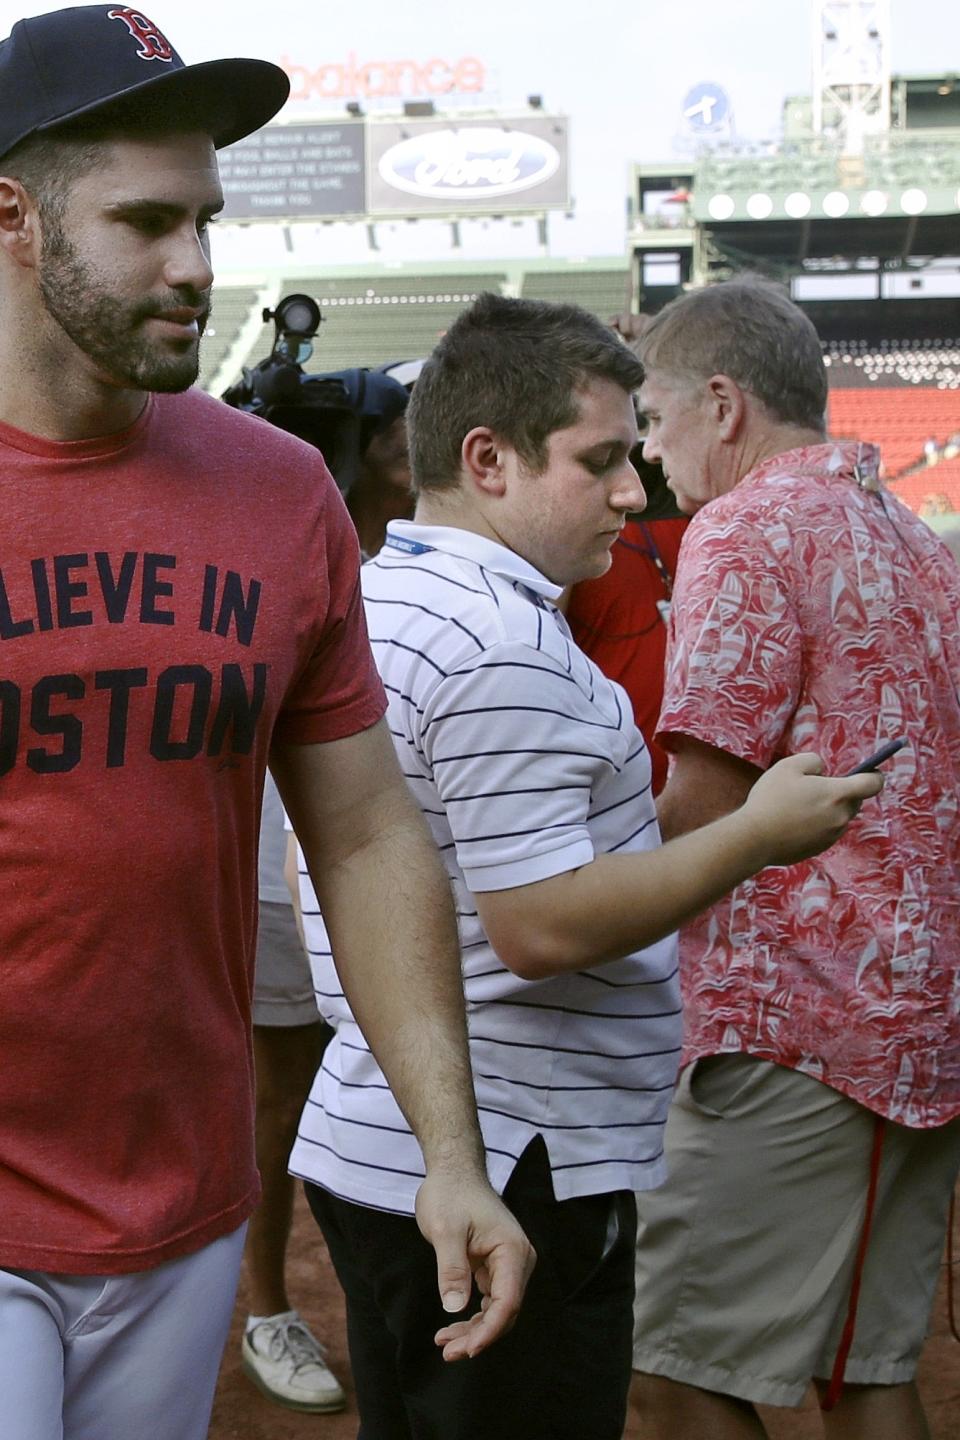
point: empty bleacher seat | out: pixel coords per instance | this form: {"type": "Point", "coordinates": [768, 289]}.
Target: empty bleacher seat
{"type": "Point", "coordinates": [899, 420]}
{"type": "Point", "coordinates": [604, 292]}
{"type": "Point", "coordinates": [230, 312]}
{"type": "Point", "coordinates": [931, 490]}
{"type": "Point", "coordinates": [891, 363]}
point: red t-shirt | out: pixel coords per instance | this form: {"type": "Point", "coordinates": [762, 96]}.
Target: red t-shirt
{"type": "Point", "coordinates": [615, 620]}
{"type": "Point", "coordinates": [171, 597]}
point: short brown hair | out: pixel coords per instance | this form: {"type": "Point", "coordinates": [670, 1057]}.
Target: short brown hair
{"type": "Point", "coordinates": [47, 165]}
{"type": "Point", "coordinates": [48, 162]}
{"type": "Point", "coordinates": [514, 366]}
{"type": "Point", "coordinates": [750, 330]}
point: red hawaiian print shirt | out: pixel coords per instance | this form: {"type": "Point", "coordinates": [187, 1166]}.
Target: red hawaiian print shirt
{"type": "Point", "coordinates": [813, 611]}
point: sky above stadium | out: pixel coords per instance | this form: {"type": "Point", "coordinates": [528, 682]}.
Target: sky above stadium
{"type": "Point", "coordinates": [619, 70]}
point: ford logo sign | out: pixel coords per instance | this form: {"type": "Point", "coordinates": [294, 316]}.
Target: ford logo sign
{"type": "Point", "coordinates": [460, 164]}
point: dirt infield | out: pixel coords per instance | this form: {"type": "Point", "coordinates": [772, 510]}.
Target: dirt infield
{"type": "Point", "coordinates": [242, 1413]}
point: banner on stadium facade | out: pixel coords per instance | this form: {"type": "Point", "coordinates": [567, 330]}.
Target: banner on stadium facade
{"type": "Point", "coordinates": [315, 170]}
{"type": "Point", "coordinates": [451, 166]}
{"type": "Point", "coordinates": [350, 169]}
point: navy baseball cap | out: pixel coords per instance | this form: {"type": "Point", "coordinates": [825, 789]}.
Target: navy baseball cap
{"type": "Point", "coordinates": [103, 58]}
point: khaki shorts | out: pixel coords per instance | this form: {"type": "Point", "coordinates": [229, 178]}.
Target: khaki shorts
{"type": "Point", "coordinates": [282, 986]}
{"type": "Point", "coordinates": [745, 1256]}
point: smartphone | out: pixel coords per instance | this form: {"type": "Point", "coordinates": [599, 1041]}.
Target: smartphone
{"type": "Point", "coordinates": [886, 752]}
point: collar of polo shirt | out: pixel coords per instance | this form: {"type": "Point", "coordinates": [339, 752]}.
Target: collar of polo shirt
{"type": "Point", "coordinates": [471, 546]}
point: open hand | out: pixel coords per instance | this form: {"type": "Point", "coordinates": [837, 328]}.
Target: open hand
{"type": "Point", "coordinates": [475, 1238]}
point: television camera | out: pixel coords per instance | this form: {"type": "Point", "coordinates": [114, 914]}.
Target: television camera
{"type": "Point", "coordinates": [339, 412]}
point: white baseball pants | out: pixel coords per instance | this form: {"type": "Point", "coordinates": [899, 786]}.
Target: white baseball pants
{"type": "Point", "coordinates": [85, 1357]}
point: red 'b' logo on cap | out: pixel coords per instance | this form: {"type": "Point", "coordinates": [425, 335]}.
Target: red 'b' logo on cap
{"type": "Point", "coordinates": [153, 44]}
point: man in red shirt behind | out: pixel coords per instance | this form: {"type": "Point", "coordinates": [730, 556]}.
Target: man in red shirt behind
{"type": "Point", "coordinates": [620, 620]}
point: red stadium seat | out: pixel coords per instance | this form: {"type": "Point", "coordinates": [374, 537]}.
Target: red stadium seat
{"type": "Point", "coordinates": [900, 420]}
{"type": "Point", "coordinates": [933, 490]}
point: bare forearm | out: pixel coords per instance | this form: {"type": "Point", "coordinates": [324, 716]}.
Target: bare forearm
{"type": "Point", "coordinates": [387, 905]}
{"type": "Point", "coordinates": [293, 884]}
{"type": "Point", "coordinates": [641, 898]}
{"type": "Point", "coordinates": [393, 933]}
{"type": "Point", "coordinates": [705, 784]}
{"type": "Point", "coordinates": [622, 903]}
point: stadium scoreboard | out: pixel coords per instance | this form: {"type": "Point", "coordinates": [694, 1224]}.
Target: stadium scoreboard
{"type": "Point", "coordinates": [398, 167]}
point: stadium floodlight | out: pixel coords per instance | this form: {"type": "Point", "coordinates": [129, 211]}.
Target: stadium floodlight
{"type": "Point", "coordinates": [874, 202]}
{"type": "Point", "coordinates": [797, 205]}
{"type": "Point", "coordinates": [851, 70]}
{"type": "Point", "coordinates": [835, 204]}
{"type": "Point", "coordinates": [721, 207]}
{"type": "Point", "coordinates": [913, 201]}
{"type": "Point", "coordinates": [759, 206]}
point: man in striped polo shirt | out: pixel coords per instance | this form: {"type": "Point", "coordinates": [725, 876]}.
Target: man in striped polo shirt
{"type": "Point", "coordinates": [536, 784]}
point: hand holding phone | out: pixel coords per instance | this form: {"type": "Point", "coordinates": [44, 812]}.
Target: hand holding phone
{"type": "Point", "coordinates": [886, 752]}
{"type": "Point", "coordinates": [799, 810]}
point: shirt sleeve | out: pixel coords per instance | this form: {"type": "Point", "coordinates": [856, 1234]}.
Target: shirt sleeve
{"type": "Point", "coordinates": [515, 743]}
{"type": "Point", "coordinates": [338, 691]}
{"type": "Point", "coordinates": [734, 662]}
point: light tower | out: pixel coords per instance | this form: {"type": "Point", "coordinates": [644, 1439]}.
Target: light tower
{"type": "Point", "coordinates": [851, 70]}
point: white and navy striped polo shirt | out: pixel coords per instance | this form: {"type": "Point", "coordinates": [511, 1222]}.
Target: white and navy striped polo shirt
{"type": "Point", "coordinates": [526, 762]}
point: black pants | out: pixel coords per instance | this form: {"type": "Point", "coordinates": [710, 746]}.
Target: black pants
{"type": "Point", "coordinates": [561, 1373]}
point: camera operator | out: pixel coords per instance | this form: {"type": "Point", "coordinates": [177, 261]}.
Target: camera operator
{"type": "Point", "coordinates": [383, 489]}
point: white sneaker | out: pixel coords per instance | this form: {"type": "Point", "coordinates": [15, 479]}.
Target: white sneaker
{"type": "Point", "coordinates": [287, 1362]}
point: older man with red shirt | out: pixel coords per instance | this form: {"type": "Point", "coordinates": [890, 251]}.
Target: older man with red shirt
{"type": "Point", "coordinates": [813, 1144]}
